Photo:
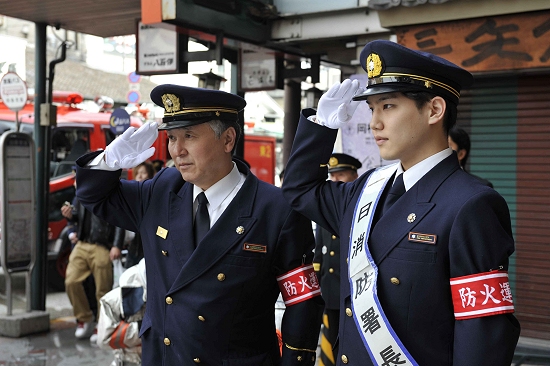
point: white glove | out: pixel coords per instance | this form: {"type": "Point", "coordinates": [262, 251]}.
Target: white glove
{"type": "Point", "coordinates": [335, 107]}
{"type": "Point", "coordinates": [132, 147]}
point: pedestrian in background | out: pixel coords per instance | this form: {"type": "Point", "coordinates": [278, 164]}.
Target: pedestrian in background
{"type": "Point", "coordinates": [425, 246]}
{"type": "Point", "coordinates": [326, 261]}
{"type": "Point", "coordinates": [140, 173]}
{"type": "Point", "coordinates": [459, 141]}
{"type": "Point", "coordinates": [220, 245]}
{"type": "Point", "coordinates": [98, 243]}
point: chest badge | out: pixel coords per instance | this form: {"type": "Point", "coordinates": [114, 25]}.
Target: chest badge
{"type": "Point", "coordinates": [258, 248]}
{"type": "Point", "coordinates": [411, 218]}
{"type": "Point", "coordinates": [162, 232]}
{"type": "Point", "coordinates": [422, 238]}
{"type": "Point", "coordinates": [239, 230]}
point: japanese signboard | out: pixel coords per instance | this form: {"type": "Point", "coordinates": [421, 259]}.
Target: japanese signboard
{"type": "Point", "coordinates": [119, 121]}
{"type": "Point", "coordinates": [510, 42]}
{"type": "Point", "coordinates": [13, 91]}
{"type": "Point", "coordinates": [258, 69]}
{"type": "Point", "coordinates": [157, 51]}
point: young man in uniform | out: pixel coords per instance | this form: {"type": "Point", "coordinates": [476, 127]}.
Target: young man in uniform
{"type": "Point", "coordinates": [219, 243]}
{"type": "Point", "coordinates": [326, 261]}
{"type": "Point", "coordinates": [425, 246]}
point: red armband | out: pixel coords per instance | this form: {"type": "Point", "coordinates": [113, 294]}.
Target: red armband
{"type": "Point", "coordinates": [482, 294]}
{"type": "Point", "coordinates": [299, 285]}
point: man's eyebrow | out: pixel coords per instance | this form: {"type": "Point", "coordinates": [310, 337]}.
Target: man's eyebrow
{"type": "Point", "coordinates": [384, 97]}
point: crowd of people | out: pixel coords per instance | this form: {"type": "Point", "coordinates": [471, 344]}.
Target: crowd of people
{"type": "Point", "coordinates": [389, 276]}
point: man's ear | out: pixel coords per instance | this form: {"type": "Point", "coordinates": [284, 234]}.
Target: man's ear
{"type": "Point", "coordinates": [230, 139]}
{"type": "Point", "coordinates": [461, 154]}
{"type": "Point", "coordinates": [438, 106]}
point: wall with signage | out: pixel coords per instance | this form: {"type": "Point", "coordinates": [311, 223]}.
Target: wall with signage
{"type": "Point", "coordinates": [500, 43]}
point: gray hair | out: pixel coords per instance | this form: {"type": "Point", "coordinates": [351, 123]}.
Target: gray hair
{"type": "Point", "coordinates": [219, 127]}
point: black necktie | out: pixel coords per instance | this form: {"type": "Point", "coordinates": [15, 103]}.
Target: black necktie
{"type": "Point", "coordinates": [394, 193]}
{"type": "Point", "coordinates": [202, 219]}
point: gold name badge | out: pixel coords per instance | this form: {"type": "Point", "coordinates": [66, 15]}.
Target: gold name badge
{"type": "Point", "coordinates": [423, 238]}
{"type": "Point", "coordinates": [255, 248]}
{"type": "Point", "coordinates": [162, 232]}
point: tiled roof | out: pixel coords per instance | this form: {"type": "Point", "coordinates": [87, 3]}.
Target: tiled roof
{"type": "Point", "coordinates": [73, 75]}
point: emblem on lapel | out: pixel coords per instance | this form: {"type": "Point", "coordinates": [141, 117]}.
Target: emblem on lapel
{"type": "Point", "coordinates": [411, 218]}
{"type": "Point", "coordinates": [258, 248]}
{"type": "Point", "coordinates": [162, 232]}
{"type": "Point", "coordinates": [239, 230]}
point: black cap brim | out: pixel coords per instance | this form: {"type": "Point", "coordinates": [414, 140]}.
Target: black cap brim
{"type": "Point", "coordinates": [387, 88]}
{"type": "Point", "coordinates": [170, 125]}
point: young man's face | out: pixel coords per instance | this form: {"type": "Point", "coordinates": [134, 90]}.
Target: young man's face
{"type": "Point", "coordinates": [401, 130]}
{"type": "Point", "coordinates": [201, 158]}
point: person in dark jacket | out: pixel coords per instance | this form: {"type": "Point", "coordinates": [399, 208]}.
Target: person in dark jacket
{"type": "Point", "coordinates": [98, 243]}
{"type": "Point", "coordinates": [425, 246]}
{"type": "Point", "coordinates": [326, 261]}
{"type": "Point", "coordinates": [219, 244]}
{"type": "Point", "coordinates": [459, 141]}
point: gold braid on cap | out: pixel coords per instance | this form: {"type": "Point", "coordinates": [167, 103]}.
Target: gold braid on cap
{"type": "Point", "coordinates": [217, 110]}
{"type": "Point", "coordinates": [411, 79]}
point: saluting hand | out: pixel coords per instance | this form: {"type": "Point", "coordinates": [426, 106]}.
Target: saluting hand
{"type": "Point", "coordinates": [132, 147]}
{"type": "Point", "coordinates": [336, 107]}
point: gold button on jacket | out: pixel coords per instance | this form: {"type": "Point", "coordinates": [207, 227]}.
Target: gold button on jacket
{"type": "Point", "coordinates": [169, 300]}
{"type": "Point", "coordinates": [197, 360]}
{"type": "Point", "coordinates": [167, 341]}
{"type": "Point", "coordinates": [344, 359]}
{"type": "Point", "coordinates": [349, 312]}
{"type": "Point", "coordinates": [394, 280]}
{"type": "Point", "coordinates": [221, 277]}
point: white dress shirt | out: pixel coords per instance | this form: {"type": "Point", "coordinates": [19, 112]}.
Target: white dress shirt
{"type": "Point", "coordinates": [221, 194]}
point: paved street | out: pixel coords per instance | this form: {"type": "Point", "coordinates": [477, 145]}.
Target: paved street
{"type": "Point", "coordinates": [59, 346]}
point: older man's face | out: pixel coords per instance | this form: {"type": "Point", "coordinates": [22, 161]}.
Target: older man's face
{"type": "Point", "coordinates": [201, 158]}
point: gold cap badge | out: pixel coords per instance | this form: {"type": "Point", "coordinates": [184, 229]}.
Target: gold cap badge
{"type": "Point", "coordinates": [171, 103]}
{"type": "Point", "coordinates": [332, 161]}
{"type": "Point", "coordinates": [374, 65]}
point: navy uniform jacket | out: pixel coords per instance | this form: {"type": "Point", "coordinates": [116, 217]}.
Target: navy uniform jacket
{"type": "Point", "coordinates": [474, 235]}
{"type": "Point", "coordinates": [213, 305]}
{"type": "Point", "coordinates": [327, 255]}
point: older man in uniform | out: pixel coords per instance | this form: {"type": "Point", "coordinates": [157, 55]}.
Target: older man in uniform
{"type": "Point", "coordinates": [326, 262]}
{"type": "Point", "coordinates": [425, 246]}
{"type": "Point", "coordinates": [219, 244]}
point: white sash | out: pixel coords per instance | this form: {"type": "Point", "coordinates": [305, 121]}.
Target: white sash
{"type": "Point", "coordinates": [380, 340]}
